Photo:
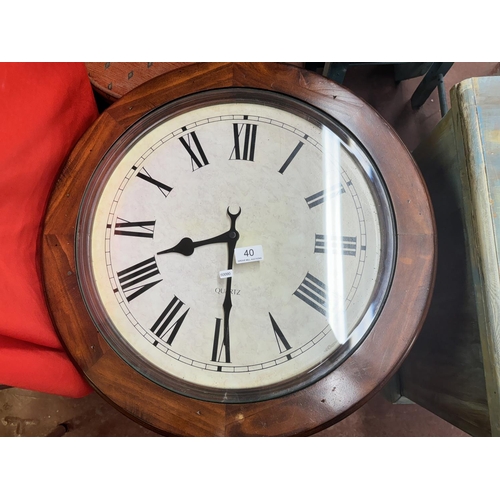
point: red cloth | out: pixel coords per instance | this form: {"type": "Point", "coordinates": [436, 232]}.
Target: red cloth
{"type": "Point", "coordinates": [44, 110]}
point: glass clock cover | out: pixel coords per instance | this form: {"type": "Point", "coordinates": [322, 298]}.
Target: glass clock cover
{"type": "Point", "coordinates": [235, 245]}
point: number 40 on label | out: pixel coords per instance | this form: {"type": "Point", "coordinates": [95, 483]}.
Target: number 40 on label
{"type": "Point", "coordinates": [249, 254]}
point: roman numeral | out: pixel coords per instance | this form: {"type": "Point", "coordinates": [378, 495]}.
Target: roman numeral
{"type": "Point", "coordinates": [250, 135]}
{"type": "Point", "coordinates": [198, 158]}
{"type": "Point", "coordinates": [349, 245]}
{"type": "Point", "coordinates": [221, 343]}
{"type": "Point", "coordinates": [281, 340]}
{"type": "Point", "coordinates": [291, 157]}
{"type": "Point", "coordinates": [142, 229]}
{"type": "Point", "coordinates": [166, 324]}
{"type": "Point", "coordinates": [319, 243]}
{"type": "Point", "coordinates": [144, 175]}
{"type": "Point", "coordinates": [132, 279]}
{"type": "Point", "coordinates": [314, 293]}
{"type": "Point", "coordinates": [321, 196]}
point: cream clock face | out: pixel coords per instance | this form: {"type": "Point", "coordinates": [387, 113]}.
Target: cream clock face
{"type": "Point", "coordinates": [235, 246]}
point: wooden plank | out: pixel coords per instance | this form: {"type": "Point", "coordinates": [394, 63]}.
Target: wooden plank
{"type": "Point", "coordinates": [477, 116]}
{"type": "Point", "coordinates": [443, 372]}
{"type": "Point", "coordinates": [454, 367]}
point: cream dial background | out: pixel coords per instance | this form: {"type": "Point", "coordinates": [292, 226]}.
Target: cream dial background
{"type": "Point", "coordinates": [274, 213]}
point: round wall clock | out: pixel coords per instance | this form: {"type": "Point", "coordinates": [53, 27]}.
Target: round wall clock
{"type": "Point", "coordinates": [239, 249]}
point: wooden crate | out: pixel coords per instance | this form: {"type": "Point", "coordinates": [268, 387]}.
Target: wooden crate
{"type": "Point", "coordinates": [453, 369]}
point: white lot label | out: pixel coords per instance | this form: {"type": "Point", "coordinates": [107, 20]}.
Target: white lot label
{"type": "Point", "coordinates": [248, 254]}
{"type": "Point", "coordinates": [226, 274]}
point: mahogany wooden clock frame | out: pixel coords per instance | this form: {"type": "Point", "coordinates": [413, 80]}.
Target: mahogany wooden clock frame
{"type": "Point", "coordinates": [303, 412]}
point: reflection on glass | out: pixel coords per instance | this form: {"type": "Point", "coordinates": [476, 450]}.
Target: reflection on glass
{"type": "Point", "coordinates": [333, 236]}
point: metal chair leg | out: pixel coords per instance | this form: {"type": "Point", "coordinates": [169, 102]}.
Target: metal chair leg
{"type": "Point", "coordinates": [443, 101]}
{"type": "Point", "coordinates": [429, 83]}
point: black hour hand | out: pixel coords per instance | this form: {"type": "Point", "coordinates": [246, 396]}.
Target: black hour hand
{"type": "Point", "coordinates": [186, 246]}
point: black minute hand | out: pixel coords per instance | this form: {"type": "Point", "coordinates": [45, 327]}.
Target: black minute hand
{"type": "Point", "coordinates": [227, 304]}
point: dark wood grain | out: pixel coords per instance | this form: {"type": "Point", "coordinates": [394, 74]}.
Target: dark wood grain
{"type": "Point", "coordinates": [313, 408]}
